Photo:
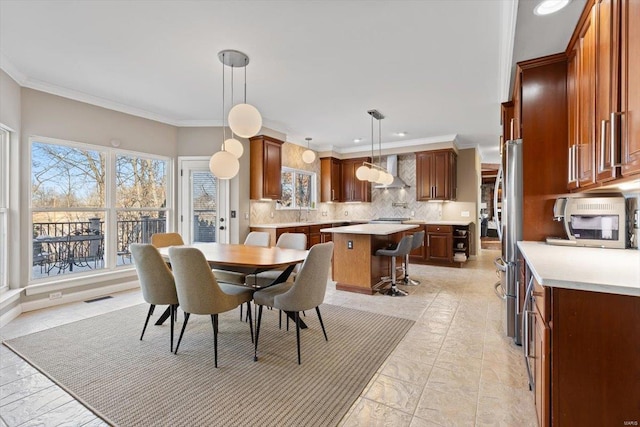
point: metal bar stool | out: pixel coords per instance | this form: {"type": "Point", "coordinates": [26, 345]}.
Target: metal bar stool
{"type": "Point", "coordinates": [402, 249]}
{"type": "Point", "coordinates": [418, 240]}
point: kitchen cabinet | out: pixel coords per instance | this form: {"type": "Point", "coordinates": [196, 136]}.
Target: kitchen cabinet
{"type": "Point", "coordinates": [461, 240]}
{"type": "Point", "coordinates": [314, 236]}
{"type": "Point", "coordinates": [266, 164]}
{"type": "Point", "coordinates": [330, 179]}
{"type": "Point", "coordinates": [507, 121]}
{"type": "Point", "coordinates": [540, 110]}
{"type": "Point", "coordinates": [354, 190]}
{"type": "Point", "coordinates": [436, 175]}
{"type": "Point", "coordinates": [603, 83]}
{"type": "Point", "coordinates": [439, 243]}
{"type": "Point", "coordinates": [419, 254]}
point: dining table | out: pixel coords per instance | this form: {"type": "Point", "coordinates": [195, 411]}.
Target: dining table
{"type": "Point", "coordinates": [245, 259]}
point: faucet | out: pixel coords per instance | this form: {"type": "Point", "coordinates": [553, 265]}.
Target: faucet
{"type": "Point", "coordinates": [300, 214]}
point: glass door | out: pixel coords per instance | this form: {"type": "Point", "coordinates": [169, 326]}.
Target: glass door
{"type": "Point", "coordinates": [203, 202]}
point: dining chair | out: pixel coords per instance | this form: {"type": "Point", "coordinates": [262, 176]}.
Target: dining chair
{"type": "Point", "coordinates": [162, 240]}
{"type": "Point", "coordinates": [254, 238]}
{"type": "Point", "coordinates": [285, 241]}
{"type": "Point", "coordinates": [200, 293]}
{"type": "Point", "coordinates": [305, 293]}
{"type": "Point", "coordinates": [156, 281]}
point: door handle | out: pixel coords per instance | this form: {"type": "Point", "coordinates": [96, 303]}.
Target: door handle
{"type": "Point", "coordinates": [603, 137]}
{"type": "Point", "coordinates": [614, 165]}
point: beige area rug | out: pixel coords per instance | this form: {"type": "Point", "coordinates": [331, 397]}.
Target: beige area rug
{"type": "Point", "coordinates": [129, 382]}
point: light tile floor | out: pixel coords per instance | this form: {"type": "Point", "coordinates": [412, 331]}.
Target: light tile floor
{"type": "Point", "coordinates": [455, 367]}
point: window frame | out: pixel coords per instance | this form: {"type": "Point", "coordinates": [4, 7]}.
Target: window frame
{"type": "Point", "coordinates": [314, 189]}
{"type": "Point", "coordinates": [109, 211]}
{"type": "Point", "coordinates": [5, 138]}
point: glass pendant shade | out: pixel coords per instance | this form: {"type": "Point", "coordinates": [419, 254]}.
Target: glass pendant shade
{"type": "Point", "coordinates": [245, 120]}
{"type": "Point", "coordinates": [373, 175]}
{"type": "Point", "coordinates": [234, 147]}
{"type": "Point", "coordinates": [362, 173]}
{"type": "Point", "coordinates": [224, 165]}
{"type": "Point", "coordinates": [308, 156]}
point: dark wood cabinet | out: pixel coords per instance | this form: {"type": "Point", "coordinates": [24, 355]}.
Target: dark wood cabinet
{"type": "Point", "coordinates": [507, 121]}
{"type": "Point", "coordinates": [629, 87]}
{"type": "Point", "coordinates": [436, 175]}
{"type": "Point", "coordinates": [439, 243]}
{"type": "Point", "coordinates": [419, 254]}
{"type": "Point", "coordinates": [266, 165]}
{"type": "Point", "coordinates": [330, 180]}
{"type": "Point", "coordinates": [354, 190]}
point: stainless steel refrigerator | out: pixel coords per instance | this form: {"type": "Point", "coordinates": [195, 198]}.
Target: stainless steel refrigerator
{"type": "Point", "coordinates": [510, 232]}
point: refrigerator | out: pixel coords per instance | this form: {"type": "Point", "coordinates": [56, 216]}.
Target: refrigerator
{"type": "Point", "coordinates": [510, 232]}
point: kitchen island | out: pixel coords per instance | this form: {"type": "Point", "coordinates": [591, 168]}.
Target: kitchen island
{"type": "Point", "coordinates": [356, 268]}
{"type": "Point", "coordinates": [581, 334]}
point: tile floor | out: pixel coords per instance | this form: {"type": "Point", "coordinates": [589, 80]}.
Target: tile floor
{"type": "Point", "coordinates": [455, 367]}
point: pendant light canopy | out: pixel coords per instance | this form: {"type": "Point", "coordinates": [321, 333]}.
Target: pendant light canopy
{"type": "Point", "coordinates": [370, 171]}
{"type": "Point", "coordinates": [244, 119]}
{"type": "Point", "coordinates": [308, 156]}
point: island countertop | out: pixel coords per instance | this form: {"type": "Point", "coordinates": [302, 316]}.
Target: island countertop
{"type": "Point", "coordinates": [437, 222]}
{"type": "Point", "coordinates": [370, 229]}
{"type": "Point", "coordinates": [614, 271]}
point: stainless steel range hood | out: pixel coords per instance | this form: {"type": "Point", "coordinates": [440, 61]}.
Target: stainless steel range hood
{"type": "Point", "coordinates": [392, 168]}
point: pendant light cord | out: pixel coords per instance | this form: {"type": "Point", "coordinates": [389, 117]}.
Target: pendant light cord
{"type": "Point", "coordinates": [380, 142]}
{"type": "Point", "coordinates": [224, 132]}
{"type": "Point", "coordinates": [232, 135]}
{"type": "Point", "coordinates": [245, 80]}
{"type": "Point", "coordinates": [372, 155]}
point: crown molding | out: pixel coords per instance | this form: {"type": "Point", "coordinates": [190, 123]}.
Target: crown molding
{"type": "Point", "coordinates": [508, 15]}
{"type": "Point", "coordinates": [13, 72]}
{"type": "Point", "coordinates": [399, 146]}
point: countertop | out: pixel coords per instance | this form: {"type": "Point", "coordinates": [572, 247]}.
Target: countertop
{"type": "Point", "coordinates": [303, 223]}
{"type": "Point", "coordinates": [370, 229]}
{"type": "Point", "coordinates": [614, 271]}
{"type": "Point", "coordinates": [441, 222]}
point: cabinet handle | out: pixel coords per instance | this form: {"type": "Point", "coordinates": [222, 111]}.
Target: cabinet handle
{"type": "Point", "coordinates": [613, 143]}
{"type": "Point", "coordinates": [512, 128]}
{"type": "Point", "coordinates": [603, 137]}
{"type": "Point", "coordinates": [570, 165]}
{"type": "Point", "coordinates": [333, 194]}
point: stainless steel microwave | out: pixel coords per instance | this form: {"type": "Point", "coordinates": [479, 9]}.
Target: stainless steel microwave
{"type": "Point", "coordinates": [594, 221]}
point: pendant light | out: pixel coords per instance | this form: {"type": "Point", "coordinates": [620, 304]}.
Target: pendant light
{"type": "Point", "coordinates": [232, 145]}
{"type": "Point", "coordinates": [370, 171]}
{"type": "Point", "coordinates": [244, 119]}
{"type": "Point", "coordinates": [223, 164]}
{"type": "Point", "coordinates": [308, 156]}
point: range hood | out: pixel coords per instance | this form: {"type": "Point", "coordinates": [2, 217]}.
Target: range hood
{"type": "Point", "coordinates": [392, 168]}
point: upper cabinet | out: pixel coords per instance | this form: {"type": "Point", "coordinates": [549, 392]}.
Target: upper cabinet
{"type": "Point", "coordinates": [354, 190]}
{"type": "Point", "coordinates": [603, 86]}
{"type": "Point", "coordinates": [330, 180]}
{"type": "Point", "coordinates": [266, 164]}
{"type": "Point", "coordinates": [436, 175]}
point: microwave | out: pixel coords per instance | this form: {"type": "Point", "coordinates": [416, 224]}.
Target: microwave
{"type": "Point", "coordinates": [593, 221]}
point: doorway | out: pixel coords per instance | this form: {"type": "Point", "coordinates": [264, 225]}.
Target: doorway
{"type": "Point", "coordinates": [203, 202]}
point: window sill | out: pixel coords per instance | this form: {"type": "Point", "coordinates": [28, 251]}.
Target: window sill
{"type": "Point", "coordinates": [67, 283]}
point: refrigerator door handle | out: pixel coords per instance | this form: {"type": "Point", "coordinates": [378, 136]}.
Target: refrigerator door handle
{"type": "Point", "coordinates": [500, 264]}
{"type": "Point", "coordinates": [499, 181]}
{"type": "Point", "coordinates": [499, 290]}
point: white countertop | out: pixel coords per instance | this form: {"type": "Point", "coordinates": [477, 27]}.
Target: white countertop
{"type": "Point", "coordinates": [441, 222]}
{"type": "Point", "coordinates": [370, 229]}
{"type": "Point", "coordinates": [302, 224]}
{"type": "Point", "coordinates": [614, 271]}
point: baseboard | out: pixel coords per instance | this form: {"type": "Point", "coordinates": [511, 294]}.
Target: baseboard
{"type": "Point", "coordinates": [10, 315]}
{"type": "Point", "coordinates": [79, 296]}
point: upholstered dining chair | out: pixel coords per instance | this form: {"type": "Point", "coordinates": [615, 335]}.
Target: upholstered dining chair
{"type": "Point", "coordinates": [156, 281]}
{"type": "Point", "coordinates": [162, 240]}
{"type": "Point", "coordinates": [200, 293]}
{"type": "Point", "coordinates": [286, 241]}
{"type": "Point", "coordinates": [254, 238]}
{"type": "Point", "coordinates": [305, 293]}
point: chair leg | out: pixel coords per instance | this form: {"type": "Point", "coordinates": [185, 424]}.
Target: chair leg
{"type": "Point", "coordinates": [279, 319]}
{"type": "Point", "coordinates": [250, 319]}
{"type": "Point", "coordinates": [298, 334]}
{"type": "Point", "coordinates": [146, 322]}
{"type": "Point", "coordinates": [173, 317]}
{"type": "Point", "coordinates": [255, 354]}
{"type": "Point", "coordinates": [184, 325]}
{"type": "Point", "coordinates": [214, 321]}
{"type": "Point", "coordinates": [241, 312]}
{"type": "Point", "coordinates": [321, 324]}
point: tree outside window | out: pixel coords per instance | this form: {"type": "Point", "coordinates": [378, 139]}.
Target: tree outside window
{"type": "Point", "coordinates": [298, 189]}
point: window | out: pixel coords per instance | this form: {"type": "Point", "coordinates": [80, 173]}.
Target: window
{"type": "Point", "coordinates": [298, 189]}
{"type": "Point", "coordinates": [4, 205]}
{"type": "Point", "coordinates": [85, 213]}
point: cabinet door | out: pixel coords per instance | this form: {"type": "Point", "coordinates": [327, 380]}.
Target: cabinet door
{"type": "Point", "coordinates": [348, 181]}
{"type": "Point", "coordinates": [424, 166]}
{"type": "Point", "coordinates": [441, 176]}
{"type": "Point", "coordinates": [336, 180]}
{"type": "Point", "coordinates": [419, 254]}
{"type": "Point", "coordinates": [272, 164]}
{"type": "Point", "coordinates": [330, 180]}
{"type": "Point", "coordinates": [265, 165]}
{"type": "Point", "coordinates": [630, 87]}
{"type": "Point", "coordinates": [542, 370]}
{"type": "Point", "coordinates": [586, 102]}
{"type": "Point", "coordinates": [572, 110]}
{"type": "Point", "coordinates": [606, 80]}
{"type": "Point", "coordinates": [439, 247]}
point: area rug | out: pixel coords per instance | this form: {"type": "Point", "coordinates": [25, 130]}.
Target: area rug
{"type": "Point", "coordinates": [129, 382]}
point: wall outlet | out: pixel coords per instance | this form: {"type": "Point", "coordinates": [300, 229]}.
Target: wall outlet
{"type": "Point", "coordinates": [324, 213]}
{"type": "Point", "coordinates": [464, 214]}
{"type": "Point", "coordinates": [346, 213]}
{"type": "Point", "coordinates": [413, 213]}
{"type": "Point", "coordinates": [349, 244]}
{"type": "Point", "coordinates": [246, 215]}
{"type": "Point", "coordinates": [271, 214]}
{"type": "Point", "coordinates": [55, 295]}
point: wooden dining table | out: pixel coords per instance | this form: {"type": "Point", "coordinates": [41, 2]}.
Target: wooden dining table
{"type": "Point", "coordinates": [246, 259]}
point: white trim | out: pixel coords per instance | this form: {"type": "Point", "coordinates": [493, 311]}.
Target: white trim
{"type": "Point", "coordinates": [61, 284]}
{"type": "Point", "coordinates": [79, 296]}
{"type": "Point", "coordinates": [508, 17]}
{"type": "Point", "coordinates": [395, 145]}
{"type": "Point", "coordinates": [12, 70]}
{"type": "Point", "coordinates": [10, 315]}
{"type": "Point", "coordinates": [9, 297]}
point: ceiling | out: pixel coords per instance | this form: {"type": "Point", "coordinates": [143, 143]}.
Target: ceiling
{"type": "Point", "coordinates": [437, 69]}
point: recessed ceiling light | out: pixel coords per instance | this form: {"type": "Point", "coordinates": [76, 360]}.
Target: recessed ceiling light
{"type": "Point", "coordinates": [401, 134]}
{"type": "Point", "coordinates": [546, 7]}
{"type": "Point", "coordinates": [356, 140]}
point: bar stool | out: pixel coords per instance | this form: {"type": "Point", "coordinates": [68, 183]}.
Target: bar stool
{"type": "Point", "coordinates": [418, 240]}
{"type": "Point", "coordinates": [402, 249]}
